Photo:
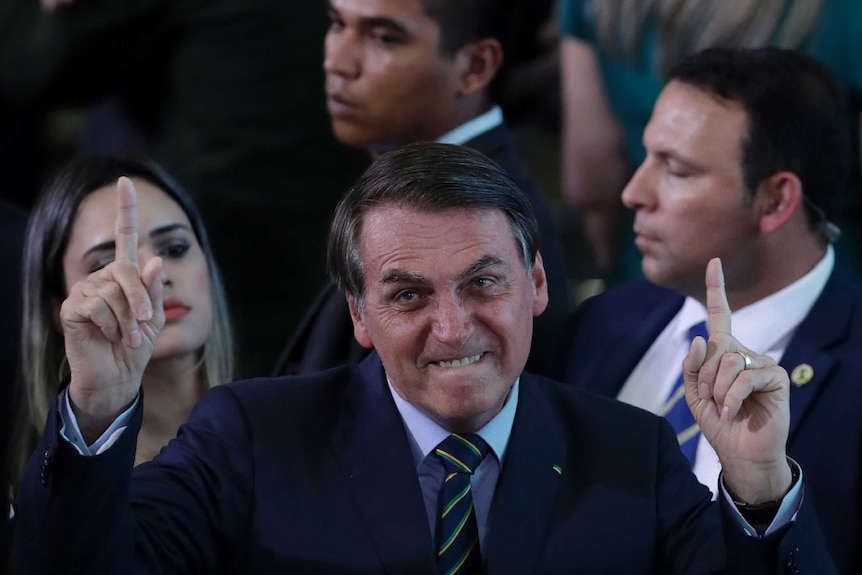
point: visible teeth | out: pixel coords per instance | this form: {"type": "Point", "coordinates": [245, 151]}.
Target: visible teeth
{"type": "Point", "coordinates": [460, 362]}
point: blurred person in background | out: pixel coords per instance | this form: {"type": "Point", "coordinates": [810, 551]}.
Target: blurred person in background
{"type": "Point", "coordinates": [615, 55]}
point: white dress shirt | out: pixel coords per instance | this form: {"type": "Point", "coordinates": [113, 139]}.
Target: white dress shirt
{"type": "Point", "coordinates": [472, 128]}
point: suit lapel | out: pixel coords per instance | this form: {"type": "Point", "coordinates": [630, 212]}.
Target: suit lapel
{"type": "Point", "coordinates": [528, 485]}
{"type": "Point", "coordinates": [617, 346]}
{"type": "Point", "coordinates": [806, 359]}
{"type": "Point", "coordinates": [372, 447]}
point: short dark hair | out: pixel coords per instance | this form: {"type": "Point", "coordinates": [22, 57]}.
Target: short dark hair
{"type": "Point", "coordinates": [464, 21]}
{"type": "Point", "coordinates": [797, 118]}
{"type": "Point", "coordinates": [432, 178]}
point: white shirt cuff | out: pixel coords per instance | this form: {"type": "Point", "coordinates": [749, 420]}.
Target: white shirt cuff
{"type": "Point", "coordinates": [72, 433]}
{"type": "Point", "coordinates": [787, 511]}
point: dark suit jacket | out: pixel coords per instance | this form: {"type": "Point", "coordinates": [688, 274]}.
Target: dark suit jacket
{"type": "Point", "coordinates": [610, 333]}
{"type": "Point", "coordinates": [315, 475]}
{"type": "Point", "coordinates": [325, 339]}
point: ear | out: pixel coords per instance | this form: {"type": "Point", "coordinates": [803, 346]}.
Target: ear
{"type": "Point", "coordinates": [540, 284]}
{"type": "Point", "coordinates": [478, 62]}
{"type": "Point", "coordinates": [778, 200]}
{"type": "Point", "coordinates": [359, 330]}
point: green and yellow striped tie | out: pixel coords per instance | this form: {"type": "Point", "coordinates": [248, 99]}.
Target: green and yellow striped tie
{"type": "Point", "coordinates": [457, 531]}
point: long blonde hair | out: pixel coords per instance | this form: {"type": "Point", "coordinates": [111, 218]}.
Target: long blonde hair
{"type": "Point", "coordinates": [43, 359]}
{"type": "Point", "coordinates": [688, 26]}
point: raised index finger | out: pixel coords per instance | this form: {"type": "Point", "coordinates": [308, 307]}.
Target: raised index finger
{"type": "Point", "coordinates": [717, 308]}
{"type": "Point", "coordinates": [126, 228]}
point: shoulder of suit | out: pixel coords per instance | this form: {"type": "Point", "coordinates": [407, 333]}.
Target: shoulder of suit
{"type": "Point", "coordinates": [288, 387]}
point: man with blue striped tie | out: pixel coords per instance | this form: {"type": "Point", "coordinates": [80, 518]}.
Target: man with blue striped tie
{"type": "Point", "coordinates": [748, 155]}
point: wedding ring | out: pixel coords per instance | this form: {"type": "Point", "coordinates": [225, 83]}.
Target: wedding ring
{"type": "Point", "coordinates": [746, 358]}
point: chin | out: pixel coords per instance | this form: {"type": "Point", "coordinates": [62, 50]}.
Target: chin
{"type": "Point", "coordinates": [350, 136]}
{"type": "Point", "coordinates": [469, 406]}
{"type": "Point", "coordinates": [652, 271]}
{"type": "Point", "coordinates": [175, 348]}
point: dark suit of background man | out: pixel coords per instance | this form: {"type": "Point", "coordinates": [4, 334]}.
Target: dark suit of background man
{"type": "Point", "coordinates": [399, 72]}
{"type": "Point", "coordinates": [338, 472]}
{"type": "Point", "coordinates": [233, 91]}
{"type": "Point", "coordinates": [747, 158]}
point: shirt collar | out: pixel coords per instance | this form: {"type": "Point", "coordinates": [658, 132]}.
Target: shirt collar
{"type": "Point", "coordinates": [472, 128]}
{"type": "Point", "coordinates": [425, 434]}
{"type": "Point", "coordinates": [760, 325]}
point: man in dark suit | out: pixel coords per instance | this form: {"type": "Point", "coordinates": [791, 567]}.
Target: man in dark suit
{"type": "Point", "coordinates": [349, 470]}
{"type": "Point", "coordinates": [422, 70]}
{"type": "Point", "coordinates": [747, 158]}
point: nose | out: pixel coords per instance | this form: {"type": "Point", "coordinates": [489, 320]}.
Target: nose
{"type": "Point", "coordinates": [452, 321]}
{"type": "Point", "coordinates": [341, 54]}
{"type": "Point", "coordinates": [639, 192]}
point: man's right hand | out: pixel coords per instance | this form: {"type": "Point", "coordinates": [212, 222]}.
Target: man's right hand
{"type": "Point", "coordinates": [110, 324]}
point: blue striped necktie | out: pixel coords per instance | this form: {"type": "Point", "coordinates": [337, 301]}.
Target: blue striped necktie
{"type": "Point", "coordinates": [457, 530]}
{"type": "Point", "coordinates": [676, 411]}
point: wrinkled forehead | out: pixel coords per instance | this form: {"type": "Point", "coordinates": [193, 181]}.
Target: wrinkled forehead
{"type": "Point", "coordinates": [401, 237]}
{"type": "Point", "coordinates": [393, 211]}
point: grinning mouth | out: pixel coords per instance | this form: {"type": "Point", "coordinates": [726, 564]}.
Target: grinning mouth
{"type": "Point", "coordinates": [459, 362]}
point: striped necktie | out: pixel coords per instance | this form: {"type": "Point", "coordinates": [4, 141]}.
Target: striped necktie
{"type": "Point", "coordinates": [676, 411]}
{"type": "Point", "coordinates": [457, 530]}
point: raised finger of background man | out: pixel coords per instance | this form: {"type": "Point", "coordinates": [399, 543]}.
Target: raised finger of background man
{"type": "Point", "coordinates": [718, 325]}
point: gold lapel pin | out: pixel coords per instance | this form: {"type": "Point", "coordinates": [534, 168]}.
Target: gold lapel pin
{"type": "Point", "coordinates": [801, 374]}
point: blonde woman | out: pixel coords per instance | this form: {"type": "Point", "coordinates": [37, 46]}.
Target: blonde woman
{"type": "Point", "coordinates": [70, 236]}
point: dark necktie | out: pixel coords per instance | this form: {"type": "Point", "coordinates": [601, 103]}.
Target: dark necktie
{"type": "Point", "coordinates": [676, 411]}
{"type": "Point", "coordinates": [457, 530]}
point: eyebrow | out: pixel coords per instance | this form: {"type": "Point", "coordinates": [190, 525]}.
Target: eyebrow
{"type": "Point", "coordinates": [402, 276]}
{"type": "Point", "coordinates": [374, 21]}
{"type": "Point", "coordinates": [111, 245]}
{"type": "Point", "coordinates": [482, 263]}
{"type": "Point", "coordinates": [680, 158]}
{"type": "Point", "coordinates": [383, 22]}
